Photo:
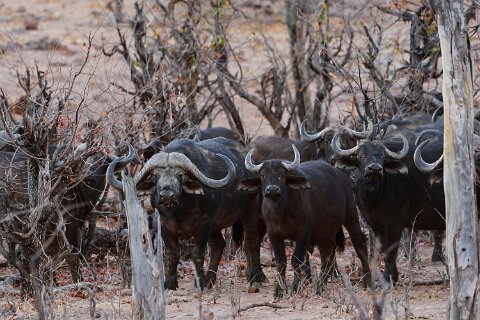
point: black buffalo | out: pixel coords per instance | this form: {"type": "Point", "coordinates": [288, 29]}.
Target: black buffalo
{"type": "Point", "coordinates": [193, 188]}
{"type": "Point", "coordinates": [307, 202]}
{"type": "Point", "coordinates": [428, 158]}
{"type": "Point", "coordinates": [391, 192]}
{"type": "Point", "coordinates": [84, 188]}
{"type": "Point", "coordinates": [413, 128]}
{"type": "Point", "coordinates": [275, 147]}
{"type": "Point", "coordinates": [156, 145]}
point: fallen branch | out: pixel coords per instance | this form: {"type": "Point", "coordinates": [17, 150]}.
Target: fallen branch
{"type": "Point", "coordinates": [263, 304]}
{"type": "Point", "coordinates": [429, 282]}
{"type": "Point", "coordinates": [6, 290]}
{"type": "Point", "coordinates": [78, 286]}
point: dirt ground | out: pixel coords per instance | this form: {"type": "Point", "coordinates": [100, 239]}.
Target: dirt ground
{"type": "Point", "coordinates": [421, 294]}
{"type": "Point", "coordinates": [59, 40]}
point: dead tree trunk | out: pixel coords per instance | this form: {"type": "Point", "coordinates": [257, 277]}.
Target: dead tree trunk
{"type": "Point", "coordinates": [148, 295]}
{"type": "Point", "coordinates": [459, 166]}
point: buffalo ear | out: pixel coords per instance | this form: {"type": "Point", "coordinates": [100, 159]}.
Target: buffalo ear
{"type": "Point", "coordinates": [298, 182]}
{"type": "Point", "coordinates": [249, 185]}
{"type": "Point", "coordinates": [146, 185]}
{"type": "Point", "coordinates": [192, 187]}
{"type": "Point", "coordinates": [436, 176]}
{"type": "Point", "coordinates": [344, 163]}
{"type": "Point", "coordinates": [395, 167]}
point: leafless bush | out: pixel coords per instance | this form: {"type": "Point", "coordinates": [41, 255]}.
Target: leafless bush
{"type": "Point", "coordinates": [47, 161]}
{"type": "Point", "coordinates": [174, 55]}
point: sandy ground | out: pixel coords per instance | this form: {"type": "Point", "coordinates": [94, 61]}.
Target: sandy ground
{"type": "Point", "coordinates": [60, 41]}
{"type": "Point", "coordinates": [421, 294]}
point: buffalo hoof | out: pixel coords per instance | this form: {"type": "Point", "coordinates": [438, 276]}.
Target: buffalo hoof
{"type": "Point", "coordinates": [391, 279]}
{"type": "Point", "coordinates": [259, 277]}
{"type": "Point", "coordinates": [254, 287]}
{"type": "Point", "coordinates": [278, 294]}
{"type": "Point", "coordinates": [171, 284]}
{"type": "Point", "coordinates": [438, 257]}
{"type": "Point", "coordinates": [210, 279]}
{"type": "Point", "coordinates": [367, 281]}
{"type": "Point", "coordinates": [204, 281]}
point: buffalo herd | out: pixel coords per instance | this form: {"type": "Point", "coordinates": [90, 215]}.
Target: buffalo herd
{"type": "Point", "coordinates": [308, 191]}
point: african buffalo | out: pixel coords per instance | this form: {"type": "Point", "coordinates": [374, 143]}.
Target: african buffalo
{"type": "Point", "coordinates": [412, 127]}
{"type": "Point", "coordinates": [307, 202]}
{"type": "Point", "coordinates": [391, 192]}
{"type": "Point", "coordinates": [428, 158]}
{"type": "Point", "coordinates": [156, 145]}
{"type": "Point", "coordinates": [193, 188]}
{"type": "Point", "coordinates": [84, 189]}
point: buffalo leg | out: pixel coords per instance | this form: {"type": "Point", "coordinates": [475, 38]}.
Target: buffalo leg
{"type": "Point", "coordinates": [172, 257]}
{"type": "Point", "coordinates": [74, 236]}
{"type": "Point", "coordinates": [360, 245]}
{"type": "Point", "coordinates": [252, 246]}
{"type": "Point", "coordinates": [73, 261]}
{"type": "Point", "coordinates": [199, 259]}
{"type": "Point", "coordinates": [217, 244]}
{"type": "Point", "coordinates": [278, 247]}
{"type": "Point", "coordinates": [299, 261]}
{"type": "Point", "coordinates": [437, 255]}
{"type": "Point", "coordinates": [307, 270]}
{"type": "Point", "coordinates": [390, 243]}
{"type": "Point", "coordinates": [327, 253]}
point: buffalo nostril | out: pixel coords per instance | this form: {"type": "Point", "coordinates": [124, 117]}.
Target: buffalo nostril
{"type": "Point", "coordinates": [272, 189]}
{"type": "Point", "coordinates": [166, 196]}
{"type": "Point", "coordinates": [375, 167]}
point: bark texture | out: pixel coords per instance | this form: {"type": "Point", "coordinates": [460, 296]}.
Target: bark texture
{"type": "Point", "coordinates": [459, 167]}
{"type": "Point", "coordinates": [148, 295]}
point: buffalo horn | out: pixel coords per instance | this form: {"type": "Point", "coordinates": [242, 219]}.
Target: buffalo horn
{"type": "Point", "coordinates": [312, 137]}
{"type": "Point", "coordinates": [421, 164]}
{"type": "Point", "coordinates": [337, 148]}
{"type": "Point", "coordinates": [400, 154]}
{"type": "Point", "coordinates": [296, 161]}
{"type": "Point", "coordinates": [163, 159]}
{"type": "Point", "coordinates": [112, 180]}
{"type": "Point", "coordinates": [250, 165]}
{"type": "Point", "coordinates": [360, 134]}
{"type": "Point", "coordinates": [435, 132]}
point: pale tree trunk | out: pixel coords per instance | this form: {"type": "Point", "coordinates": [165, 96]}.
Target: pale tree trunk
{"type": "Point", "coordinates": [148, 294]}
{"type": "Point", "coordinates": [459, 166]}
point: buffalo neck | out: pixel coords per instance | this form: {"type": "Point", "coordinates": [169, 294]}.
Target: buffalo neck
{"type": "Point", "coordinates": [369, 191]}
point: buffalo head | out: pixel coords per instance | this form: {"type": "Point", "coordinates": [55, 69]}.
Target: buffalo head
{"type": "Point", "coordinates": [274, 176]}
{"type": "Point", "coordinates": [170, 174]}
{"type": "Point", "coordinates": [370, 158]}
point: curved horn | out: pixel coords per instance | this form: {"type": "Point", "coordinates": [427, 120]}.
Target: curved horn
{"type": "Point", "coordinates": [437, 133]}
{"type": "Point", "coordinates": [296, 161]}
{"type": "Point", "coordinates": [421, 164]}
{"type": "Point", "coordinates": [360, 134]}
{"type": "Point", "coordinates": [250, 165]}
{"type": "Point", "coordinates": [163, 159]}
{"type": "Point", "coordinates": [209, 182]}
{"type": "Point", "coordinates": [80, 149]}
{"type": "Point", "coordinates": [435, 114]}
{"type": "Point", "coordinates": [111, 179]}
{"type": "Point", "coordinates": [312, 137]}
{"type": "Point", "coordinates": [400, 154]}
{"type": "Point", "coordinates": [156, 161]}
{"type": "Point", "coordinates": [337, 148]}
{"type": "Point", "coordinates": [370, 128]}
